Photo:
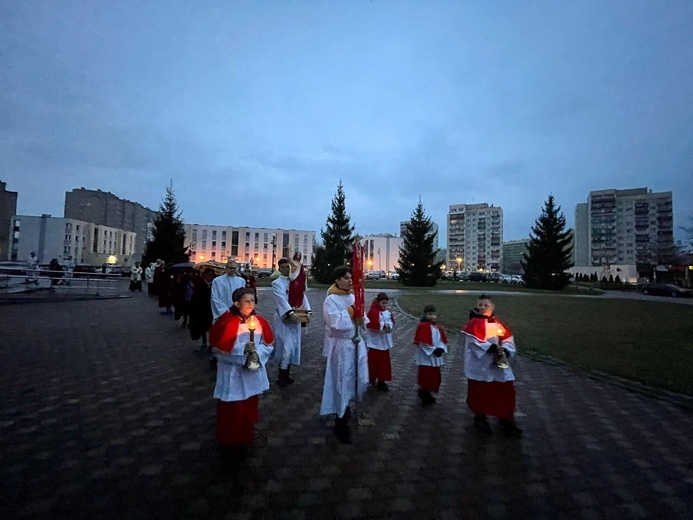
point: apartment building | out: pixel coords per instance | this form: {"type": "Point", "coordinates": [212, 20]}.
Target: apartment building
{"type": "Point", "coordinates": [626, 227]}
{"type": "Point", "coordinates": [512, 255]}
{"type": "Point", "coordinates": [381, 251]}
{"type": "Point", "coordinates": [261, 247]}
{"type": "Point", "coordinates": [475, 235]}
{"type": "Point", "coordinates": [60, 238]}
{"type": "Point", "coordinates": [106, 209]}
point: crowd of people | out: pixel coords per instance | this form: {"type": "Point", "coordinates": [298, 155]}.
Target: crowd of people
{"type": "Point", "coordinates": [220, 312]}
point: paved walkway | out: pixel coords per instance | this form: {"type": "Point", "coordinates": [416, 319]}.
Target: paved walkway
{"type": "Point", "coordinates": [107, 412]}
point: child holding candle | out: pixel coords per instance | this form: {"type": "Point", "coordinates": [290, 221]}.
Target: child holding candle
{"type": "Point", "coordinates": [242, 343]}
{"type": "Point", "coordinates": [490, 382]}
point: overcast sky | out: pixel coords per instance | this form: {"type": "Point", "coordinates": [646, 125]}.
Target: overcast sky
{"type": "Point", "coordinates": [256, 109]}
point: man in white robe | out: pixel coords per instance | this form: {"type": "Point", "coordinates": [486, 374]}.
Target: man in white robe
{"type": "Point", "coordinates": [287, 327]}
{"type": "Point", "coordinates": [223, 287]}
{"type": "Point", "coordinates": [340, 349]}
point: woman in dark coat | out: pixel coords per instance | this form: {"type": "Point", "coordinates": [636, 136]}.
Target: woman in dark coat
{"type": "Point", "coordinates": [200, 319]}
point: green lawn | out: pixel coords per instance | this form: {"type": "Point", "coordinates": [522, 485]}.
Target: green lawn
{"type": "Point", "coordinates": [645, 341]}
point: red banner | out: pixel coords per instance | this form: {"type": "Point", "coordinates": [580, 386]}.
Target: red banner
{"type": "Point", "coordinates": [357, 255]}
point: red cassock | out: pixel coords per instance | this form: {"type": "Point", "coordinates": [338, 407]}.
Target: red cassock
{"type": "Point", "coordinates": [297, 288]}
{"type": "Point", "coordinates": [429, 378]}
{"type": "Point", "coordinates": [379, 365]}
{"type": "Point", "coordinates": [495, 398]}
{"type": "Point", "coordinates": [236, 419]}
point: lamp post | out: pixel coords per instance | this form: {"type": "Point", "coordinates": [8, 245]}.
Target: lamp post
{"type": "Point", "coordinates": [458, 263]}
{"type": "Point", "coordinates": [380, 266]}
{"type": "Point", "coordinates": [274, 248]}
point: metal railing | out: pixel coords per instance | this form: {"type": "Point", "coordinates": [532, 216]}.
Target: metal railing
{"type": "Point", "coordinates": [42, 282]}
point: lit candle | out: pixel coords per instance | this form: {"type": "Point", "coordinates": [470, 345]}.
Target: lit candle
{"type": "Point", "coordinates": [251, 327]}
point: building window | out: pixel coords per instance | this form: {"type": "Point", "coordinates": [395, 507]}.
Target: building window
{"type": "Point", "coordinates": [204, 234]}
{"type": "Point", "coordinates": [214, 234]}
{"type": "Point", "coordinates": [223, 235]}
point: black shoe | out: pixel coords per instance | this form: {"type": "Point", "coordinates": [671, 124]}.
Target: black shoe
{"type": "Point", "coordinates": [510, 429]}
{"type": "Point", "coordinates": [342, 431]}
{"type": "Point", "coordinates": [283, 378]}
{"type": "Point", "coordinates": [481, 425]}
{"type": "Point", "coordinates": [426, 397]}
{"type": "Point", "coordinates": [382, 386]}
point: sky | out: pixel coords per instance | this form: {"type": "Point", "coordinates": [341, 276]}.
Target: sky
{"type": "Point", "coordinates": [256, 110]}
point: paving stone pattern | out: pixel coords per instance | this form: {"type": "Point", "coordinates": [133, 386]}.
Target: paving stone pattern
{"type": "Point", "coordinates": [107, 412]}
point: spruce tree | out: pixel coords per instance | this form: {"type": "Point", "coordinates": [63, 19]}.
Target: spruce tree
{"type": "Point", "coordinates": [168, 242]}
{"type": "Point", "coordinates": [549, 252]}
{"type": "Point", "coordinates": [337, 240]}
{"type": "Point", "coordinates": [417, 265]}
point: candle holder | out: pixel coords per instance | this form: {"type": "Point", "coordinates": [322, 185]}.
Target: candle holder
{"type": "Point", "coordinates": [252, 360]}
{"type": "Point", "coordinates": [501, 359]}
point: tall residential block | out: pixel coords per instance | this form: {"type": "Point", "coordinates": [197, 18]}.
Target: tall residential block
{"type": "Point", "coordinates": [261, 247]}
{"type": "Point", "coordinates": [624, 227]}
{"type": "Point", "coordinates": [475, 235]}
{"type": "Point", "coordinates": [106, 209]}
{"type": "Point", "coordinates": [513, 255]}
{"type": "Point", "coordinates": [8, 207]}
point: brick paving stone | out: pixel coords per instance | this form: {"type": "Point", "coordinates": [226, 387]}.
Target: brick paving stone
{"type": "Point", "coordinates": [99, 420]}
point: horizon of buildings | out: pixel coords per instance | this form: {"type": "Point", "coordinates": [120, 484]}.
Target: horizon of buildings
{"type": "Point", "coordinates": [614, 227]}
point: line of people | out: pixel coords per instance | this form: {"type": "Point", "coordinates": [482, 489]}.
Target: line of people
{"type": "Point", "coordinates": [357, 353]}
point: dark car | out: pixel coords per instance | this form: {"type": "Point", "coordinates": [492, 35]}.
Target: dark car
{"type": "Point", "coordinates": [477, 277]}
{"type": "Point", "coordinates": [666, 289]}
{"type": "Point", "coordinates": [264, 272]}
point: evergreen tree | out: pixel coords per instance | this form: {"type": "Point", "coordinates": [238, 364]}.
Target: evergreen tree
{"type": "Point", "coordinates": [417, 265]}
{"type": "Point", "coordinates": [337, 240]}
{"type": "Point", "coordinates": [168, 242]}
{"type": "Point", "coordinates": [549, 252]}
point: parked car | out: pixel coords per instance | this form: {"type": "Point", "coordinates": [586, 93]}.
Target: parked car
{"type": "Point", "coordinates": [375, 275]}
{"type": "Point", "coordinates": [506, 278]}
{"type": "Point", "coordinates": [394, 275]}
{"type": "Point", "coordinates": [494, 277]}
{"type": "Point", "coordinates": [477, 277]}
{"type": "Point", "coordinates": [666, 289]}
{"type": "Point", "coordinates": [516, 278]}
{"type": "Point", "coordinates": [264, 272]}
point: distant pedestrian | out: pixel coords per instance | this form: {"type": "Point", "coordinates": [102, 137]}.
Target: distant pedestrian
{"type": "Point", "coordinates": [201, 307]}
{"type": "Point", "coordinates": [431, 346]}
{"type": "Point", "coordinates": [136, 277]}
{"type": "Point", "coordinates": [149, 278]}
{"type": "Point", "coordinates": [490, 380]}
{"type": "Point", "coordinates": [69, 266]}
{"type": "Point", "coordinates": [162, 284]}
{"type": "Point", "coordinates": [240, 337]}
{"type": "Point", "coordinates": [56, 271]}
{"type": "Point", "coordinates": [379, 341]}
{"type": "Point", "coordinates": [32, 268]}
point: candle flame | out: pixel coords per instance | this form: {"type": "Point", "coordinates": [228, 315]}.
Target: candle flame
{"type": "Point", "coordinates": [251, 323]}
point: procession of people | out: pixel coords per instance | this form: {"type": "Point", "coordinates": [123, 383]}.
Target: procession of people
{"type": "Point", "coordinates": [219, 311]}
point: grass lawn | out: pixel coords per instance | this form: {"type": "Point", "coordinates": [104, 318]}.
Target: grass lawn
{"type": "Point", "coordinates": [645, 341]}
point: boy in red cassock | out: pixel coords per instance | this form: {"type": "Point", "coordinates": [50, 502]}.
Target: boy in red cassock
{"type": "Point", "coordinates": [379, 341]}
{"type": "Point", "coordinates": [432, 344]}
{"type": "Point", "coordinates": [242, 343]}
{"type": "Point", "coordinates": [491, 382]}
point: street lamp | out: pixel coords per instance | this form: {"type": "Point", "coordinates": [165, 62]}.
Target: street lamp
{"type": "Point", "coordinates": [458, 263]}
{"type": "Point", "coordinates": [274, 248]}
{"type": "Point", "coordinates": [380, 266]}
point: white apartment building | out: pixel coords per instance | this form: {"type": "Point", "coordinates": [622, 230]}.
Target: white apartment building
{"type": "Point", "coordinates": [382, 252]}
{"type": "Point", "coordinates": [475, 237]}
{"type": "Point", "coordinates": [261, 247]}
{"type": "Point", "coordinates": [624, 227]}
{"type": "Point", "coordinates": [61, 238]}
